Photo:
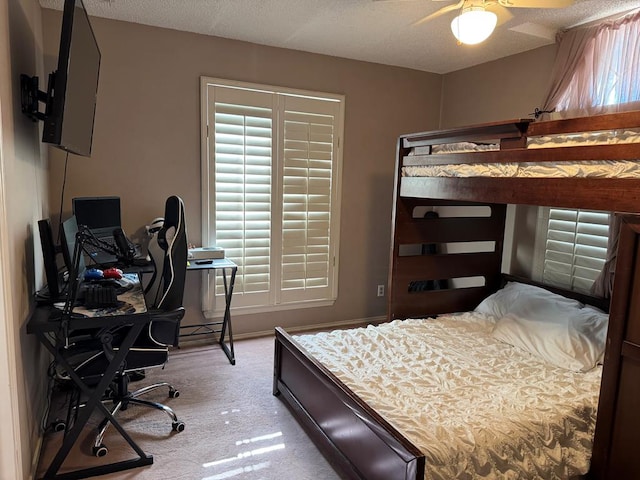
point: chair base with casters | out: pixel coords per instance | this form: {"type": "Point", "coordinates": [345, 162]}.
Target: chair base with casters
{"type": "Point", "coordinates": [122, 398]}
{"type": "Point", "coordinates": [92, 353]}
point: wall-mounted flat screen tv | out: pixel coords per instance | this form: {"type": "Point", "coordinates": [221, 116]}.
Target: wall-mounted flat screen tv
{"type": "Point", "coordinates": [73, 87]}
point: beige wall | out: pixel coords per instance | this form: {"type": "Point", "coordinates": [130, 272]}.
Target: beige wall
{"type": "Point", "coordinates": [511, 87]}
{"type": "Point", "coordinates": [147, 142]}
{"type": "Point", "coordinates": [23, 185]}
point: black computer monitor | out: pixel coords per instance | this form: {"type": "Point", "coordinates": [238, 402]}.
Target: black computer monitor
{"type": "Point", "coordinates": [100, 214]}
{"type": "Point", "coordinates": [68, 238]}
{"type": "Point", "coordinates": [50, 257]}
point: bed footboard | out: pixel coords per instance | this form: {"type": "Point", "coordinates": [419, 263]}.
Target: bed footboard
{"type": "Point", "coordinates": [353, 437]}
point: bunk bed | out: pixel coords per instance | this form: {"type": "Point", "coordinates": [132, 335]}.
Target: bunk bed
{"type": "Point", "coordinates": [359, 440]}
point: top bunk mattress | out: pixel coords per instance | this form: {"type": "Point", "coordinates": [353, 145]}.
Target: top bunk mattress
{"type": "Point", "coordinates": [431, 161]}
{"type": "Point", "coordinates": [608, 137]}
{"type": "Point", "coordinates": [586, 169]}
{"type": "Point", "coordinates": [476, 407]}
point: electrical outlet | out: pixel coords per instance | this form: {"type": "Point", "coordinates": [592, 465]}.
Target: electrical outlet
{"type": "Point", "coordinates": [381, 290]}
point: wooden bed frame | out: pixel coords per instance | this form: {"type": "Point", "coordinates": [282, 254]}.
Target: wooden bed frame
{"type": "Point", "coordinates": [358, 441]}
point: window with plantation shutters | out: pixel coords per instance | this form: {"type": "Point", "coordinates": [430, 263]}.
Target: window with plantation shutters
{"type": "Point", "coordinates": [575, 247]}
{"type": "Point", "coordinates": [271, 176]}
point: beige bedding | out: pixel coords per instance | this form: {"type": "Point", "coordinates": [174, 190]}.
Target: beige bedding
{"type": "Point", "coordinates": [609, 137]}
{"type": "Point", "coordinates": [476, 407]}
{"type": "Point", "coordinates": [589, 169]}
{"type": "Point", "coordinates": [415, 165]}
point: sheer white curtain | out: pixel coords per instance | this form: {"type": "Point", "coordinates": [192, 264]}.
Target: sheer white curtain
{"type": "Point", "coordinates": [597, 69]}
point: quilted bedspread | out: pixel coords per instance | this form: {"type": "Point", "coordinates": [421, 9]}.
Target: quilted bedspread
{"type": "Point", "coordinates": [477, 408]}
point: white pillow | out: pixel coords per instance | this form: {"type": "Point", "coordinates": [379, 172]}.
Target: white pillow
{"type": "Point", "coordinates": [554, 328]}
{"type": "Point", "coordinates": [575, 341]}
{"type": "Point", "coordinates": [594, 324]}
{"type": "Point", "coordinates": [525, 299]}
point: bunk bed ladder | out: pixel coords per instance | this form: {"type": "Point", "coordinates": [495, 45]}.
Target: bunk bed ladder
{"type": "Point", "coordinates": [437, 264]}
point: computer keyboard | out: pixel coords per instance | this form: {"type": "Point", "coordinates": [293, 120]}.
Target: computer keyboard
{"type": "Point", "coordinates": [90, 248]}
{"type": "Point", "coordinates": [99, 296]}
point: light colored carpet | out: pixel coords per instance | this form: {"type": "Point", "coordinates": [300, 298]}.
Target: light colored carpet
{"type": "Point", "coordinates": [235, 427]}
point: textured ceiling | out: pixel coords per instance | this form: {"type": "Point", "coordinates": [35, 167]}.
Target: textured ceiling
{"type": "Point", "coordinates": [373, 31]}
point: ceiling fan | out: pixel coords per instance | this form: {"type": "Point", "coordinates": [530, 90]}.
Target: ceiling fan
{"type": "Point", "coordinates": [478, 18]}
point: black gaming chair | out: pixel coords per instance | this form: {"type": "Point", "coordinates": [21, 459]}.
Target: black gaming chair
{"type": "Point", "coordinates": [166, 287]}
{"type": "Point", "coordinates": [150, 349]}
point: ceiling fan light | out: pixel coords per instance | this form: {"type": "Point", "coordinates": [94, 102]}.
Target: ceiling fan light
{"type": "Point", "coordinates": [473, 25]}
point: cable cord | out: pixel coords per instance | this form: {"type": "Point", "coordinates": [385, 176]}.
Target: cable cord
{"type": "Point", "coordinates": [49, 393]}
{"type": "Point", "coordinates": [64, 183]}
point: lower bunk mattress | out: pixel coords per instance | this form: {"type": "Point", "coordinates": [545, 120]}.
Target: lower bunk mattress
{"type": "Point", "coordinates": [476, 407]}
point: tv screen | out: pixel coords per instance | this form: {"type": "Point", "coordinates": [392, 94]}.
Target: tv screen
{"type": "Point", "coordinates": [73, 87]}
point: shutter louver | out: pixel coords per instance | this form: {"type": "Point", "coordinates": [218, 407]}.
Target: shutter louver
{"type": "Point", "coordinates": [243, 146]}
{"type": "Point", "coordinates": [576, 247]}
{"type": "Point", "coordinates": [308, 146]}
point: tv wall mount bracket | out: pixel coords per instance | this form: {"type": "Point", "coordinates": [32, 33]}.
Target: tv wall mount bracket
{"type": "Point", "coordinates": [31, 96]}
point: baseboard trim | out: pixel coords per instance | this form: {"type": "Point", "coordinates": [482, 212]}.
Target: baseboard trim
{"type": "Point", "coordinates": [358, 322]}
{"type": "Point", "coordinates": [362, 322]}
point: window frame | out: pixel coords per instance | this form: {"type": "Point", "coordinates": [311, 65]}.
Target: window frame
{"type": "Point", "coordinates": [212, 302]}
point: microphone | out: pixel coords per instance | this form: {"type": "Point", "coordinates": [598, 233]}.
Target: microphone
{"type": "Point", "coordinates": [127, 252]}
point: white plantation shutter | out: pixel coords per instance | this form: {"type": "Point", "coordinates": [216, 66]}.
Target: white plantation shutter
{"type": "Point", "coordinates": [306, 201]}
{"type": "Point", "coordinates": [576, 247]}
{"type": "Point", "coordinates": [243, 155]}
{"type": "Point", "coordinates": [273, 164]}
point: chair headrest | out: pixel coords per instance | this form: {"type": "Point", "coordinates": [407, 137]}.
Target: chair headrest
{"type": "Point", "coordinates": [173, 221]}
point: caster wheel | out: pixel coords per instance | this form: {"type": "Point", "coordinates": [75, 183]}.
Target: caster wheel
{"type": "Point", "coordinates": [173, 393]}
{"type": "Point", "coordinates": [58, 426]}
{"type": "Point", "coordinates": [178, 426]}
{"type": "Point", "coordinates": [100, 451]}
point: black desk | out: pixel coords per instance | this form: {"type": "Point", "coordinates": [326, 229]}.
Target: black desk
{"type": "Point", "coordinates": [49, 326]}
{"type": "Point", "coordinates": [222, 327]}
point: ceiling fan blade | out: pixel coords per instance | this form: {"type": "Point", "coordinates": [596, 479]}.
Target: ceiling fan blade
{"type": "Point", "coordinates": [503, 14]}
{"type": "Point", "coordinates": [536, 3]}
{"type": "Point", "coordinates": [442, 11]}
